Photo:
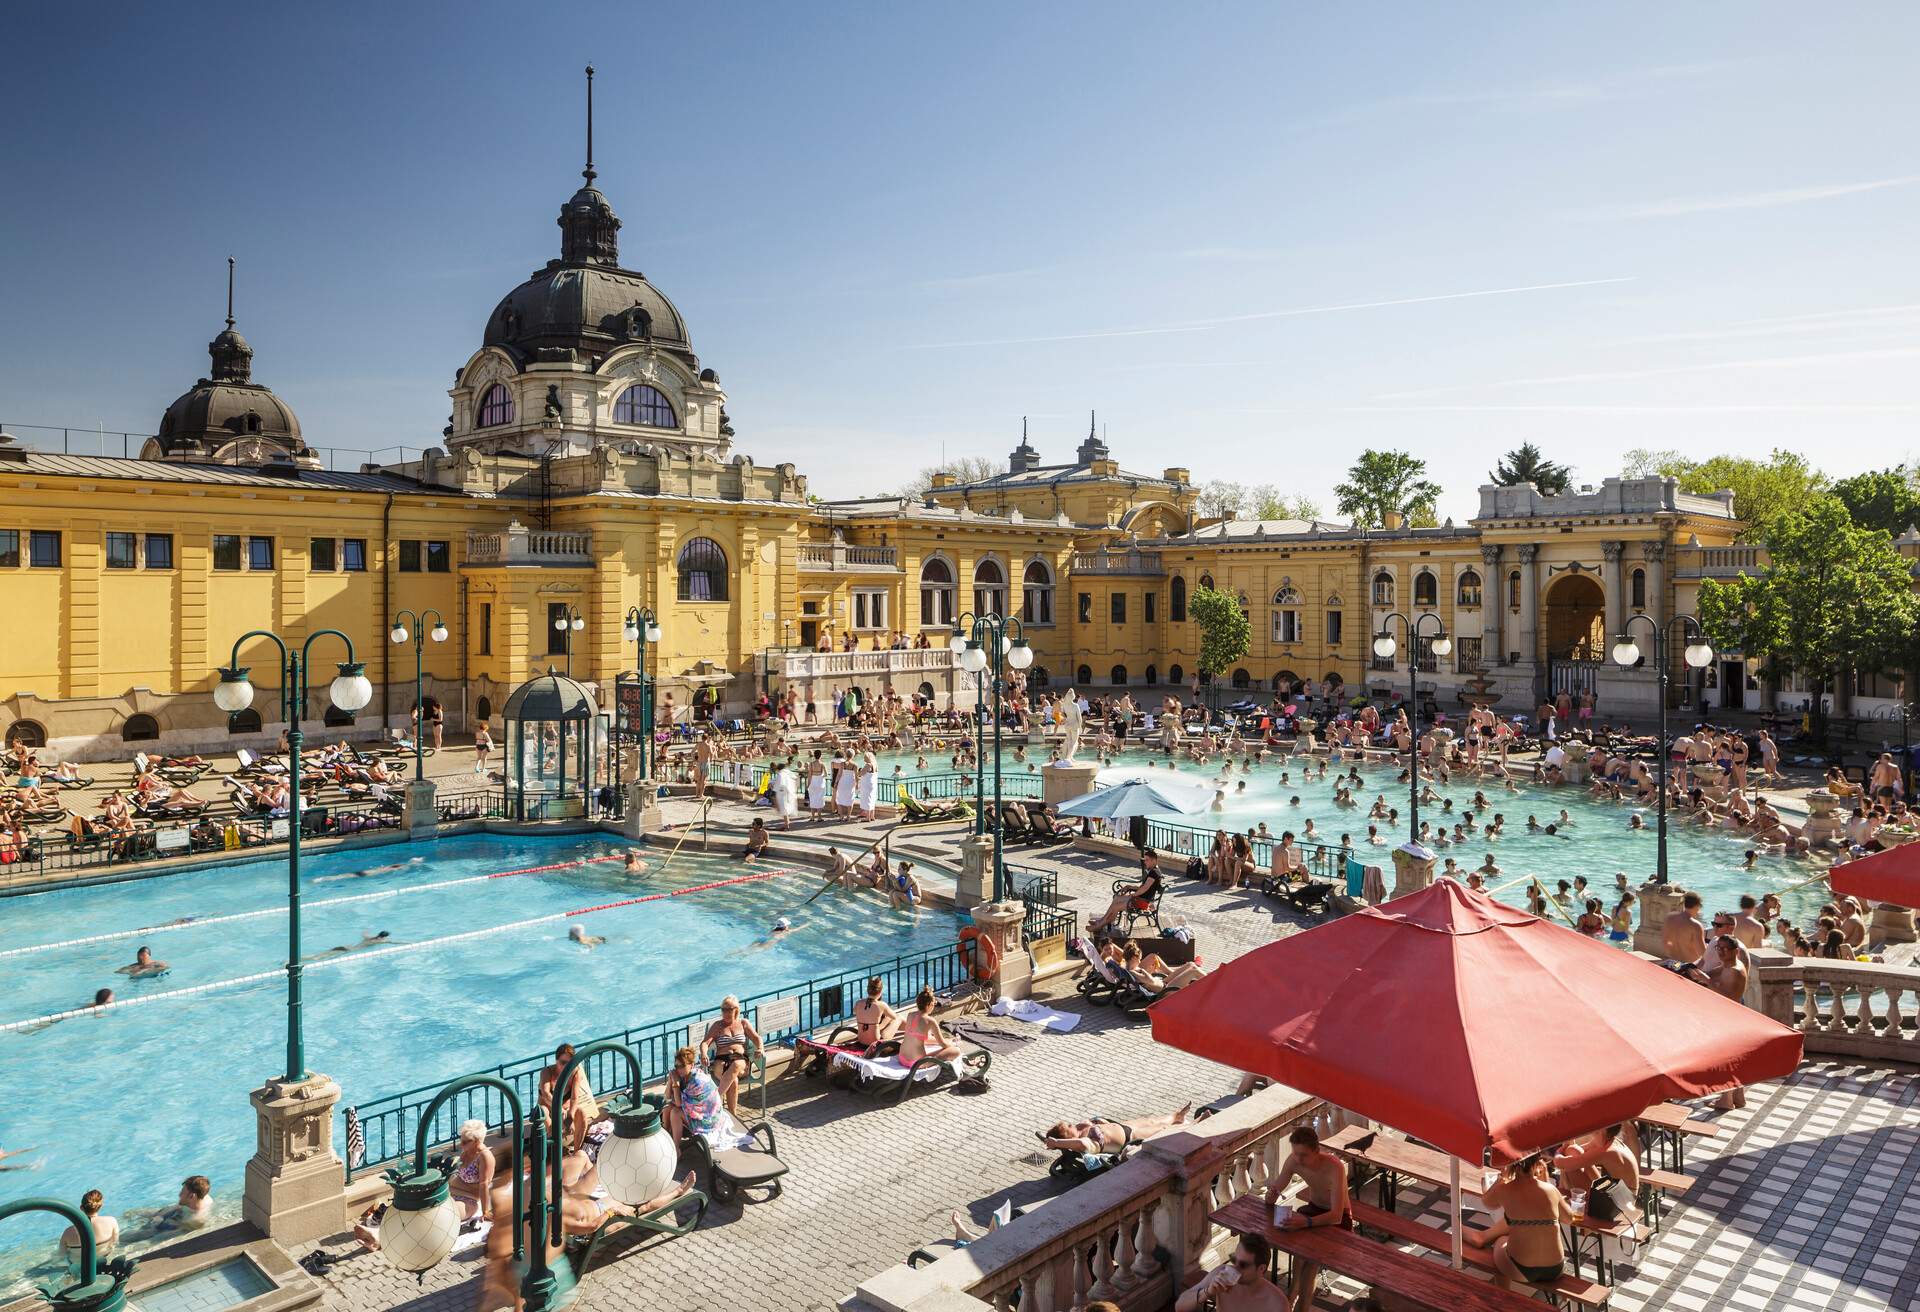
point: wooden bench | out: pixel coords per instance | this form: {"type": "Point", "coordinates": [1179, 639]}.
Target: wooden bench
{"type": "Point", "coordinates": [1416, 1282]}
{"type": "Point", "coordinates": [1674, 1124]}
{"type": "Point", "coordinates": [1654, 1188]}
{"type": "Point", "coordinates": [1572, 1290]}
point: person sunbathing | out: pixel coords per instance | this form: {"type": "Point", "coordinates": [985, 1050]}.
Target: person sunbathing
{"type": "Point", "coordinates": [1155, 975]}
{"type": "Point", "coordinates": [921, 1035]}
{"type": "Point", "coordinates": [1100, 1135]}
{"type": "Point", "coordinates": [877, 1021]}
{"type": "Point", "coordinates": [1139, 896]}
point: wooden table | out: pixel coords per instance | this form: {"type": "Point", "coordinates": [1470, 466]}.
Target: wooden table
{"type": "Point", "coordinates": [1673, 1123]}
{"type": "Point", "coordinates": [1392, 1158]}
{"type": "Point", "coordinates": [1421, 1283]}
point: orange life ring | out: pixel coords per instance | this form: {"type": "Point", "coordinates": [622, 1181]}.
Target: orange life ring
{"type": "Point", "coordinates": [977, 953]}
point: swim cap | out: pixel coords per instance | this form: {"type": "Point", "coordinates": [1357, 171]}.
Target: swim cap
{"type": "Point", "coordinates": [781, 923]}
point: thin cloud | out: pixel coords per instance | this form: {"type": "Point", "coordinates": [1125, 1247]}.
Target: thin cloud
{"type": "Point", "coordinates": [1826, 323]}
{"type": "Point", "coordinates": [1747, 409]}
{"type": "Point", "coordinates": [1233, 254]}
{"type": "Point", "coordinates": [963, 280]}
{"type": "Point", "coordinates": [1752, 200]}
{"type": "Point", "coordinates": [1669, 371]}
{"type": "Point", "coordinates": [1207, 325]}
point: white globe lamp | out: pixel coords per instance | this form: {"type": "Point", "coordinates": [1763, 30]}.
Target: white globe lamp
{"type": "Point", "coordinates": [234, 692]}
{"type": "Point", "coordinates": [1384, 646]}
{"type": "Point", "coordinates": [438, 633]}
{"type": "Point", "coordinates": [418, 1231]}
{"type": "Point", "coordinates": [1625, 652]}
{"type": "Point", "coordinates": [1442, 646]}
{"type": "Point", "coordinates": [351, 689]}
{"type": "Point", "coordinates": [398, 633]}
{"type": "Point", "coordinates": [1699, 654]}
{"type": "Point", "coordinates": [653, 633]}
{"type": "Point", "coordinates": [637, 1162]}
{"type": "Point", "coordinates": [957, 643]}
{"type": "Point", "coordinates": [1021, 656]}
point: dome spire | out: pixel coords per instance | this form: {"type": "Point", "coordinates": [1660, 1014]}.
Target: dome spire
{"type": "Point", "coordinates": [232, 357]}
{"type": "Point", "coordinates": [588, 172]}
{"type": "Point", "coordinates": [589, 230]}
{"type": "Point", "coordinates": [229, 291]}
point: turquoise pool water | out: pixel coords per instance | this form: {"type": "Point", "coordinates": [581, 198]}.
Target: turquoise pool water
{"type": "Point", "coordinates": [132, 1100]}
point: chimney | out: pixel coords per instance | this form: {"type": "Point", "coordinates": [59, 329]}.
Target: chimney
{"type": "Point", "coordinates": [942, 479]}
{"type": "Point", "coordinates": [1177, 475]}
{"type": "Point", "coordinates": [1392, 521]}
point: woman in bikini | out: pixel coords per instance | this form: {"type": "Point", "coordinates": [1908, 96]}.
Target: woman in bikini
{"type": "Point", "coordinates": [876, 1019]}
{"type": "Point", "coordinates": [921, 1035]}
{"type": "Point", "coordinates": [1526, 1244]}
{"type": "Point", "coordinates": [472, 1182]}
{"type": "Point", "coordinates": [730, 1044]}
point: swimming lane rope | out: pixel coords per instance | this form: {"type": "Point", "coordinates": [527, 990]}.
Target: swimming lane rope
{"type": "Point", "coordinates": [349, 958]}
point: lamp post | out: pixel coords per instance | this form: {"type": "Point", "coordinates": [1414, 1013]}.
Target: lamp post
{"type": "Point", "coordinates": [99, 1286]}
{"type": "Point", "coordinates": [643, 631]}
{"type": "Point", "coordinates": [635, 1165]}
{"type": "Point", "coordinates": [1698, 653]}
{"type": "Point", "coordinates": [567, 624]}
{"type": "Point", "coordinates": [1439, 644]}
{"type": "Point", "coordinates": [980, 642]}
{"type": "Point", "coordinates": [420, 634]}
{"type": "Point", "coordinates": [349, 691]}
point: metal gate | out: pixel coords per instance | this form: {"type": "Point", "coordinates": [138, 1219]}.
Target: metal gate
{"type": "Point", "coordinates": [1572, 677]}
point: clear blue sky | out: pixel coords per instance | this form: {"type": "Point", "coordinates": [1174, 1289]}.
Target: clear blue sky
{"type": "Point", "coordinates": [896, 229]}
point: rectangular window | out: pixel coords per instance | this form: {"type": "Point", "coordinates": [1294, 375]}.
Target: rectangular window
{"type": "Point", "coordinates": [1467, 657]}
{"type": "Point", "coordinates": [121, 551]}
{"type": "Point", "coordinates": [556, 637]}
{"type": "Point", "coordinates": [320, 555]}
{"type": "Point", "coordinates": [409, 557]}
{"type": "Point", "coordinates": [870, 609]}
{"type": "Point", "coordinates": [1286, 626]}
{"type": "Point", "coordinates": [43, 549]}
{"type": "Point", "coordinates": [159, 551]}
{"type": "Point", "coordinates": [486, 628]}
{"type": "Point", "coordinates": [1333, 628]}
{"type": "Point", "coordinates": [260, 553]}
{"type": "Point", "coordinates": [9, 548]}
{"type": "Point", "coordinates": [1149, 602]}
{"type": "Point", "coordinates": [1117, 608]}
{"type": "Point", "coordinates": [353, 555]}
{"type": "Point", "coordinates": [1086, 607]}
{"type": "Point", "coordinates": [439, 558]}
{"type": "Point", "coordinates": [226, 551]}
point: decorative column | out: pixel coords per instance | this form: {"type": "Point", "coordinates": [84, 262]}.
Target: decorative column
{"type": "Point", "coordinates": [975, 883]}
{"type": "Point", "coordinates": [1529, 604]}
{"type": "Point", "coordinates": [1655, 554]}
{"type": "Point", "coordinates": [421, 813]}
{"type": "Point", "coordinates": [1656, 902]}
{"type": "Point", "coordinates": [1616, 595]}
{"type": "Point", "coordinates": [1002, 922]}
{"type": "Point", "coordinates": [295, 1183]}
{"type": "Point", "coordinates": [1412, 869]}
{"type": "Point", "coordinates": [1496, 605]}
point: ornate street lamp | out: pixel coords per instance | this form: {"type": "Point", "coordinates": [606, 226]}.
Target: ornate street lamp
{"type": "Point", "coordinates": [568, 623]}
{"type": "Point", "coordinates": [350, 691]}
{"type": "Point", "coordinates": [643, 631]}
{"type": "Point", "coordinates": [100, 1286]}
{"type": "Point", "coordinates": [980, 642]}
{"type": "Point", "coordinates": [1698, 654]}
{"type": "Point", "coordinates": [1439, 644]}
{"type": "Point", "coordinates": [420, 635]}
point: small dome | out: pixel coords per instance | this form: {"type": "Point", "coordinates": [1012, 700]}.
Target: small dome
{"type": "Point", "coordinates": [550, 696]}
{"type": "Point", "coordinates": [228, 418]}
{"type": "Point", "coordinates": [591, 309]}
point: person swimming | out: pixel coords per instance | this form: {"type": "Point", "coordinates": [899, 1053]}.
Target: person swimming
{"type": "Point", "coordinates": [371, 871]}
{"type": "Point", "coordinates": [143, 965]}
{"type": "Point", "coordinates": [382, 939]}
{"type": "Point", "coordinates": [781, 928]}
{"type": "Point", "coordinates": [633, 865]}
{"type": "Point", "coordinates": [578, 934]}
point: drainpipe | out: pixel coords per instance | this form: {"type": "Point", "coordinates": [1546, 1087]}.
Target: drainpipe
{"type": "Point", "coordinates": [466, 645]}
{"type": "Point", "coordinates": [386, 616]}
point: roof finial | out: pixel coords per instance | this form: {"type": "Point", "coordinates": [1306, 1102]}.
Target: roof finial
{"type": "Point", "coordinates": [588, 172]}
{"type": "Point", "coordinates": [1023, 430]}
{"type": "Point", "coordinates": [1092, 427]}
{"type": "Point", "coordinates": [229, 291]}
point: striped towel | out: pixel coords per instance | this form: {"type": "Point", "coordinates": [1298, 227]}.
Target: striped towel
{"type": "Point", "coordinates": [356, 1139]}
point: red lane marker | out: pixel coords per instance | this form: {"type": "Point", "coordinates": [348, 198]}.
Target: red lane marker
{"type": "Point", "coordinates": [558, 865]}
{"type": "Point", "coordinates": [679, 892]}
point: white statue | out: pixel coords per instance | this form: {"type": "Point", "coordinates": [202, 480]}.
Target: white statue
{"type": "Point", "coordinates": [1070, 722]}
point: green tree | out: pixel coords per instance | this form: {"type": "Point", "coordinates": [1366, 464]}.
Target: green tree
{"type": "Point", "coordinates": [1763, 490]}
{"type": "Point", "coordinates": [1220, 499]}
{"type": "Point", "coordinates": [1835, 597]}
{"type": "Point", "coordinates": [1525, 464]}
{"type": "Point", "coordinates": [1382, 483]}
{"type": "Point", "coordinates": [1225, 630]}
{"type": "Point", "coordinates": [1884, 499]}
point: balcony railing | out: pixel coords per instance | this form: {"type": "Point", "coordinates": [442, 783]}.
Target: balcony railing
{"type": "Point", "coordinates": [1718, 562]}
{"type": "Point", "coordinates": [838, 557]}
{"type": "Point", "coordinates": [1129, 561]}
{"type": "Point", "coordinates": [519, 545]}
{"type": "Point", "coordinates": [832, 664]}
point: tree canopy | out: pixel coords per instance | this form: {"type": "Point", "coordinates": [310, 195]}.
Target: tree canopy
{"type": "Point", "coordinates": [1225, 630]}
{"type": "Point", "coordinates": [965, 469]}
{"type": "Point", "coordinates": [1885, 499]}
{"type": "Point", "coordinates": [1382, 483]}
{"type": "Point", "coordinates": [1221, 499]}
{"type": "Point", "coordinates": [1525, 464]}
{"type": "Point", "coordinates": [1763, 490]}
{"type": "Point", "coordinates": [1836, 596]}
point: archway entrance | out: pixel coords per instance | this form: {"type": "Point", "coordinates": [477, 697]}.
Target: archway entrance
{"type": "Point", "coordinates": [1576, 619]}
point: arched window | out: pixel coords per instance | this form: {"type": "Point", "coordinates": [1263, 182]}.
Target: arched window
{"type": "Point", "coordinates": [936, 593]}
{"type": "Point", "coordinates": [247, 721]}
{"type": "Point", "coordinates": [1206, 580]}
{"type": "Point", "coordinates": [1286, 616]}
{"type": "Point", "coordinates": [1639, 589]}
{"type": "Point", "coordinates": [1118, 676]}
{"type": "Point", "coordinates": [1383, 589]}
{"type": "Point", "coordinates": [1469, 589]}
{"type": "Point", "coordinates": [1426, 589]}
{"type": "Point", "coordinates": [1287, 597]}
{"type": "Point", "coordinates": [989, 588]}
{"type": "Point", "coordinates": [496, 407]}
{"type": "Point", "coordinates": [703, 571]}
{"type": "Point", "coordinates": [1241, 679]}
{"type": "Point", "coordinates": [1335, 679]}
{"type": "Point", "coordinates": [1036, 602]}
{"type": "Point", "coordinates": [1285, 682]}
{"type": "Point", "coordinates": [139, 729]}
{"type": "Point", "coordinates": [1176, 675]}
{"type": "Point", "coordinates": [641, 404]}
{"type": "Point", "coordinates": [1513, 590]}
{"type": "Point", "coordinates": [483, 710]}
{"type": "Point", "coordinates": [1152, 676]}
{"type": "Point", "coordinates": [1084, 675]}
{"type": "Point", "coordinates": [926, 692]}
{"type": "Point", "coordinates": [1177, 601]}
{"type": "Point", "coordinates": [26, 733]}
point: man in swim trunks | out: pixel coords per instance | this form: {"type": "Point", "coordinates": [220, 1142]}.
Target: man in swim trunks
{"type": "Point", "coordinates": [380, 939]}
{"type": "Point", "coordinates": [578, 934]}
{"type": "Point", "coordinates": [143, 964]}
{"type": "Point", "coordinates": [1101, 1135]}
{"type": "Point", "coordinates": [1327, 1203]}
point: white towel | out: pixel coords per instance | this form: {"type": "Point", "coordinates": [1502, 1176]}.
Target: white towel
{"type": "Point", "coordinates": [726, 1133]}
{"type": "Point", "coordinates": [890, 1068]}
{"type": "Point", "coordinates": [1033, 1013]}
{"type": "Point", "coordinates": [468, 1240]}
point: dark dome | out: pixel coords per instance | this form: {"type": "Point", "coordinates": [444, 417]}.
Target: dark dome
{"type": "Point", "coordinates": [550, 696]}
{"type": "Point", "coordinates": [229, 417]}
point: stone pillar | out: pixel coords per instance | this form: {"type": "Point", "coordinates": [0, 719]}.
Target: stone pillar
{"type": "Point", "coordinates": [1891, 924]}
{"type": "Point", "coordinates": [975, 883]}
{"type": "Point", "coordinates": [1826, 823]}
{"type": "Point", "coordinates": [641, 815]}
{"type": "Point", "coordinates": [1495, 600]}
{"type": "Point", "coordinates": [1657, 902]}
{"type": "Point", "coordinates": [1001, 922]}
{"type": "Point", "coordinates": [421, 814]}
{"type": "Point", "coordinates": [1412, 869]}
{"type": "Point", "coordinates": [1529, 605]}
{"type": "Point", "coordinates": [1656, 557]}
{"type": "Point", "coordinates": [295, 1184]}
{"type": "Point", "coordinates": [1063, 783]}
{"type": "Point", "coordinates": [1616, 593]}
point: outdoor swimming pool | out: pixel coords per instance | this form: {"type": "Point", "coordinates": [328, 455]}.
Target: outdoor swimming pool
{"type": "Point", "coordinates": [132, 1100]}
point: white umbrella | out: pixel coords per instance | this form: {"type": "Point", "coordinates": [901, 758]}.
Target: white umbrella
{"type": "Point", "coordinates": [1134, 797]}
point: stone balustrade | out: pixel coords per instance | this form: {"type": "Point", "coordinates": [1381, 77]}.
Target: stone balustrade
{"type": "Point", "coordinates": [519, 545]}
{"type": "Point", "coordinates": [1845, 1008]}
{"type": "Point", "coordinates": [848, 558]}
{"type": "Point", "coordinates": [839, 664]}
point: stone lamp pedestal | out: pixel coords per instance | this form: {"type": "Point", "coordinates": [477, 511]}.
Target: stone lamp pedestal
{"type": "Point", "coordinates": [1063, 783]}
{"type": "Point", "coordinates": [421, 810]}
{"type": "Point", "coordinates": [642, 814]}
{"type": "Point", "coordinates": [1412, 869]}
{"type": "Point", "coordinates": [1826, 824]}
{"type": "Point", "coordinates": [1657, 902]}
{"type": "Point", "coordinates": [975, 883]}
{"type": "Point", "coordinates": [1001, 922]}
{"type": "Point", "coordinates": [295, 1183]}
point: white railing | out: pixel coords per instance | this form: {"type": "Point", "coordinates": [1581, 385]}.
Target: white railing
{"type": "Point", "coordinates": [1847, 1008]}
{"type": "Point", "coordinates": [519, 545]}
{"type": "Point", "coordinates": [829, 664]}
{"type": "Point", "coordinates": [844, 556]}
{"type": "Point", "coordinates": [1719, 562]}
{"type": "Point", "coordinates": [1131, 561]}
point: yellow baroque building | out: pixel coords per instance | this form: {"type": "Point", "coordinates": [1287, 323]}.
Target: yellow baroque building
{"type": "Point", "coordinates": [588, 468]}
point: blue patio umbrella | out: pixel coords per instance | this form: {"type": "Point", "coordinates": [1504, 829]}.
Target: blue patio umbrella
{"type": "Point", "coordinates": [1138, 797]}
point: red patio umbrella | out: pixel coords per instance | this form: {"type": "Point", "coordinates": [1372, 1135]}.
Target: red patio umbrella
{"type": "Point", "coordinates": [1892, 876]}
{"type": "Point", "coordinates": [1464, 1022]}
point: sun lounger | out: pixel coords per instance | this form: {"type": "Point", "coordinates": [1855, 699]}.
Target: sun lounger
{"type": "Point", "coordinates": [661, 1221]}
{"type": "Point", "coordinates": [1307, 896]}
{"type": "Point", "coordinates": [884, 1075]}
{"type": "Point", "coordinates": [751, 1163]}
{"type": "Point", "coordinates": [913, 812]}
{"type": "Point", "coordinates": [1106, 984]}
